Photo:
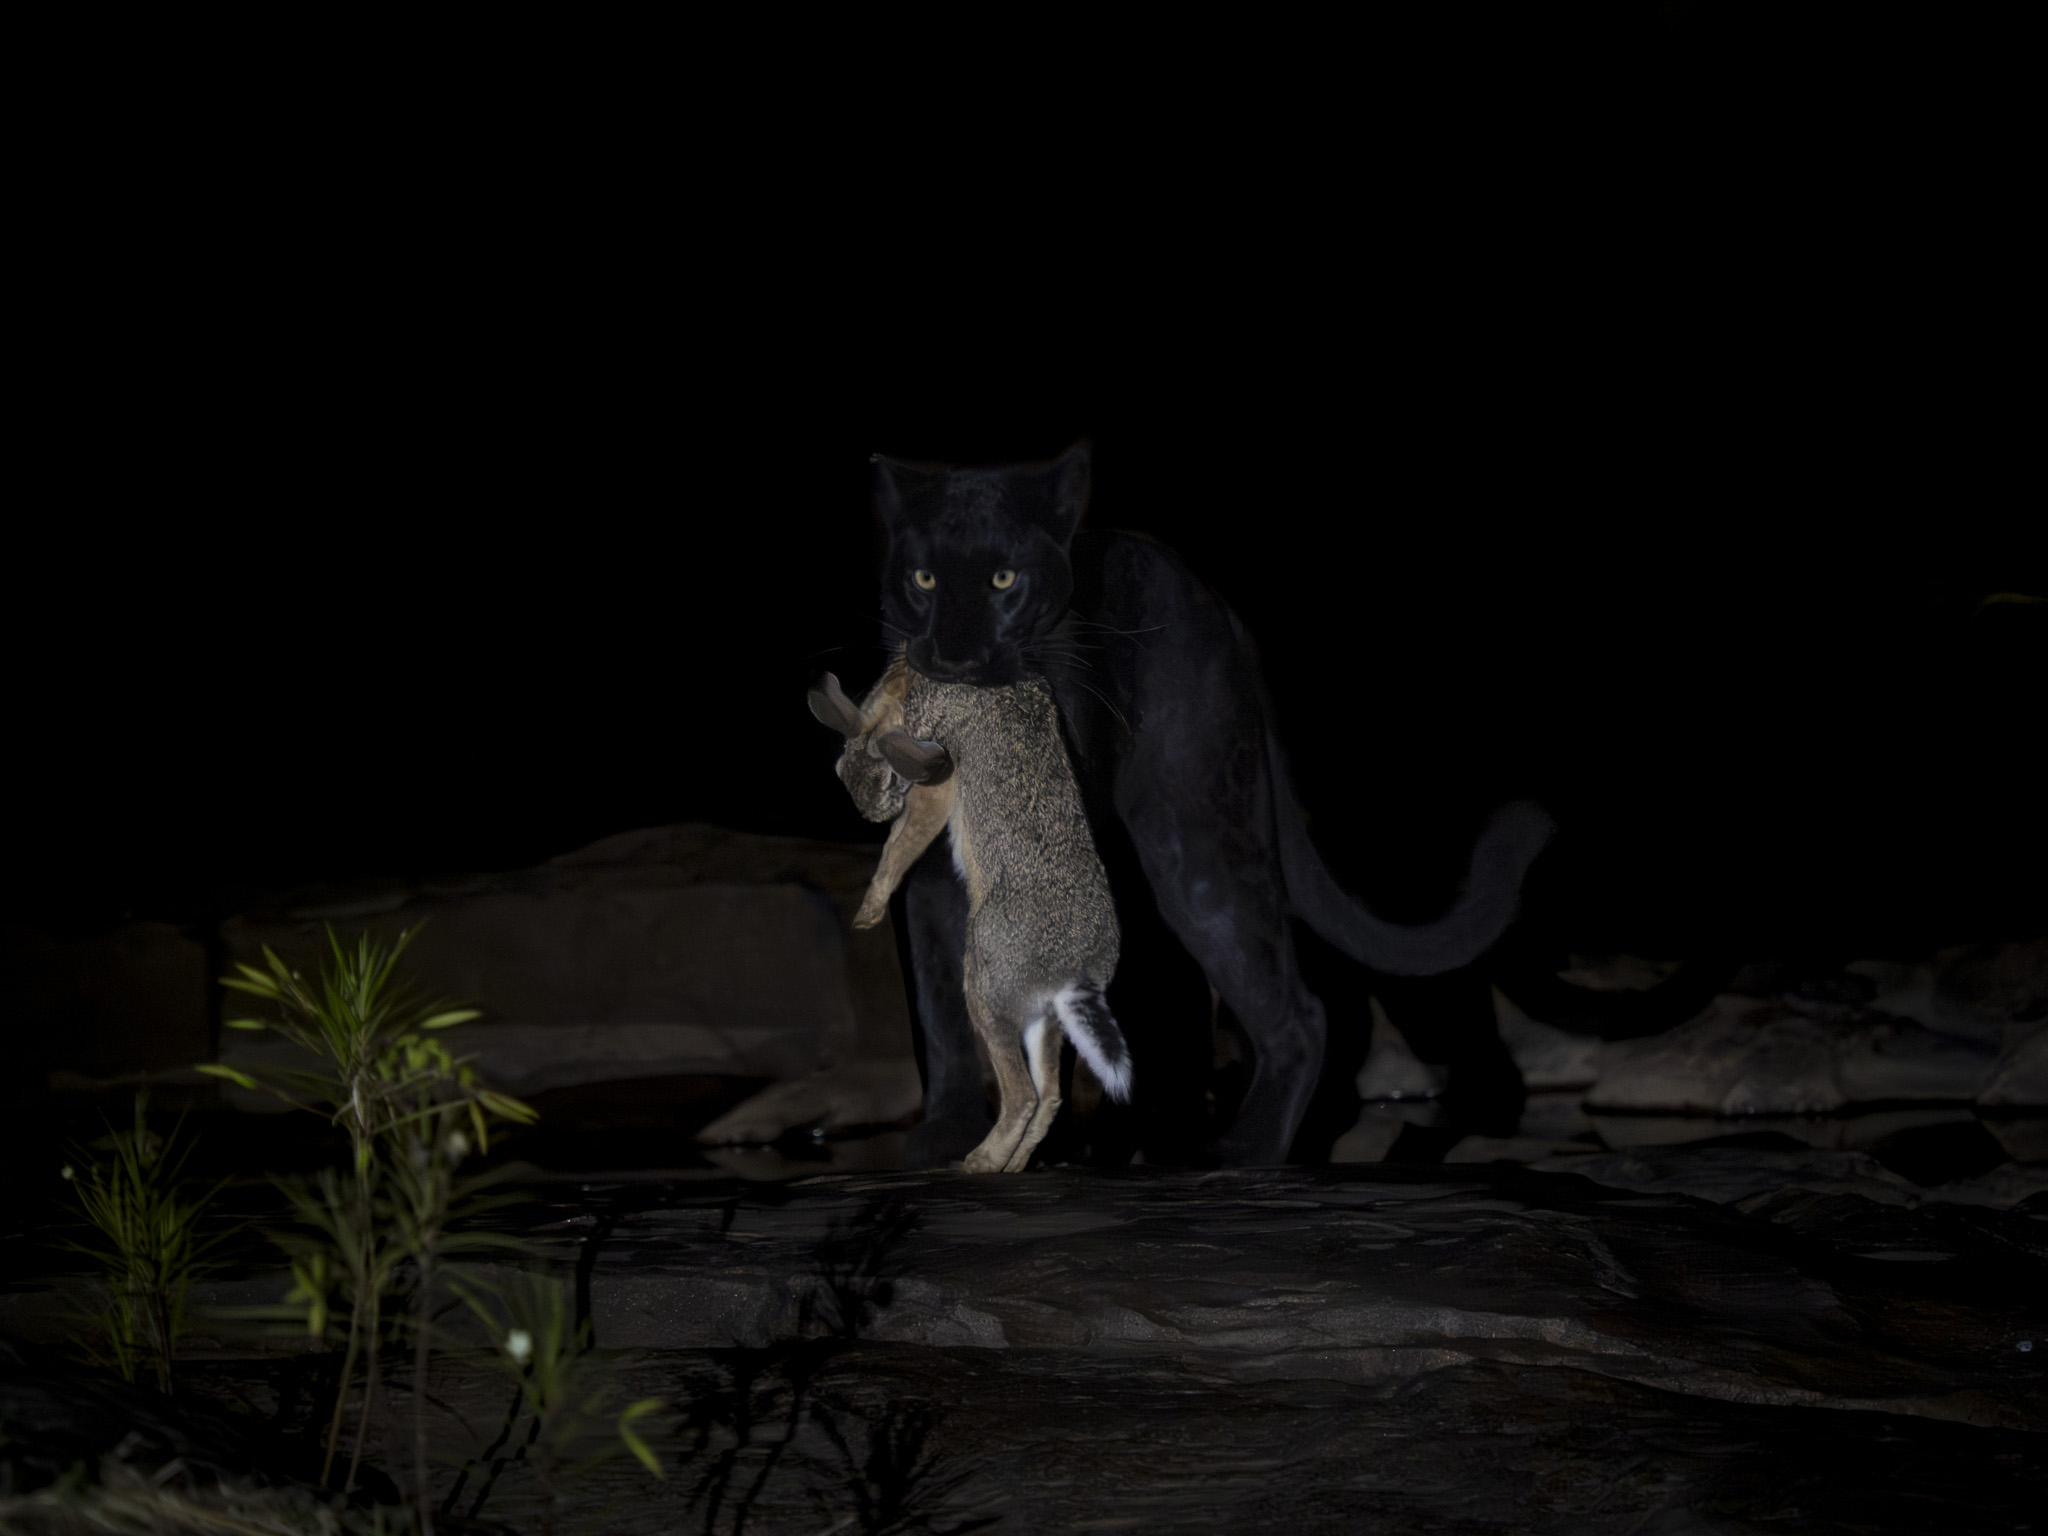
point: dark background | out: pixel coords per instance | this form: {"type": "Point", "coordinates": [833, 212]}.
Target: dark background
{"type": "Point", "coordinates": [1614, 406]}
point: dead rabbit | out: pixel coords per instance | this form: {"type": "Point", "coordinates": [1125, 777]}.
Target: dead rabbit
{"type": "Point", "coordinates": [988, 766]}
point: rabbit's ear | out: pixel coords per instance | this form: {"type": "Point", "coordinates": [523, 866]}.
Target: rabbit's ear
{"type": "Point", "coordinates": [921, 762]}
{"type": "Point", "coordinates": [832, 707]}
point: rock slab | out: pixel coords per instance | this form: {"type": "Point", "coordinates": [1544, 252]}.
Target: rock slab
{"type": "Point", "coordinates": [1467, 1350]}
{"type": "Point", "coordinates": [669, 951]}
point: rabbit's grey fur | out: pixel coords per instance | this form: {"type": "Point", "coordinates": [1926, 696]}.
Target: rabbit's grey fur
{"type": "Point", "coordinates": [1042, 935]}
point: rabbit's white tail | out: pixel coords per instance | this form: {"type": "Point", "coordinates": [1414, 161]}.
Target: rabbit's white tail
{"type": "Point", "coordinates": [1085, 1015]}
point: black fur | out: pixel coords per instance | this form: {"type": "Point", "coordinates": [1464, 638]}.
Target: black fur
{"type": "Point", "coordinates": [1160, 698]}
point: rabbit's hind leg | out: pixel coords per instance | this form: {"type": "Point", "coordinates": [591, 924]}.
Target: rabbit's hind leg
{"type": "Point", "coordinates": [1042, 1040]}
{"type": "Point", "coordinates": [999, 1031]}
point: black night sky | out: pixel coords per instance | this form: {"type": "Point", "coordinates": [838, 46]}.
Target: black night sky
{"type": "Point", "coordinates": [1649, 459]}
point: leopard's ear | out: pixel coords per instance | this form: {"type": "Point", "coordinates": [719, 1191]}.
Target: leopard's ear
{"type": "Point", "coordinates": [1066, 483]}
{"type": "Point", "coordinates": [901, 489]}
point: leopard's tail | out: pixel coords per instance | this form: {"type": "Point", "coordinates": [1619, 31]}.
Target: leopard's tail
{"type": "Point", "coordinates": [1481, 914]}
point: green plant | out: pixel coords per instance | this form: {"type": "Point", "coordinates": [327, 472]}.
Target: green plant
{"type": "Point", "coordinates": [563, 1394]}
{"type": "Point", "coordinates": [413, 1112]}
{"type": "Point", "coordinates": [356, 1025]}
{"type": "Point", "coordinates": [340, 1242]}
{"type": "Point", "coordinates": [139, 1202]}
{"type": "Point", "coordinates": [421, 1151]}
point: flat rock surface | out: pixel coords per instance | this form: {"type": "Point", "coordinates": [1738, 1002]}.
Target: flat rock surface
{"type": "Point", "coordinates": [1363, 1277]}
{"type": "Point", "coordinates": [1384, 1348]}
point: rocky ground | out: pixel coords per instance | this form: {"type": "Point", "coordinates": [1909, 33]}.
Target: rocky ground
{"type": "Point", "coordinates": [1781, 1265]}
{"type": "Point", "coordinates": [1479, 1348]}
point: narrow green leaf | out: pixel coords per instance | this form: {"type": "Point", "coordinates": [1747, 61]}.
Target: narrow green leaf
{"type": "Point", "coordinates": [452, 1017]}
{"type": "Point", "coordinates": [642, 1451]}
{"type": "Point", "coordinates": [246, 1024]}
{"type": "Point", "coordinates": [510, 1108]}
{"type": "Point", "coordinates": [215, 1069]}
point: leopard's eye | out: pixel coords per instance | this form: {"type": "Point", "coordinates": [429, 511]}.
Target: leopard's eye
{"type": "Point", "coordinates": [924, 579]}
{"type": "Point", "coordinates": [1003, 580]}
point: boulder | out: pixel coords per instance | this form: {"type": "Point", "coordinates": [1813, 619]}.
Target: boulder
{"type": "Point", "coordinates": [1888, 1058]}
{"type": "Point", "coordinates": [1549, 1058]}
{"type": "Point", "coordinates": [1988, 993]}
{"type": "Point", "coordinates": [849, 1096]}
{"type": "Point", "coordinates": [672, 950]}
{"type": "Point", "coordinates": [1552, 1125]}
{"type": "Point", "coordinates": [1392, 1070]}
{"type": "Point", "coordinates": [1379, 1126]}
{"type": "Point", "coordinates": [1750, 1056]}
{"type": "Point", "coordinates": [1742, 1056]}
{"type": "Point", "coordinates": [2021, 1075]}
{"type": "Point", "coordinates": [2024, 1137]}
{"type": "Point", "coordinates": [1617, 972]}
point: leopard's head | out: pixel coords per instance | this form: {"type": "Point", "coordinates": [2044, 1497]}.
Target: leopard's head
{"type": "Point", "coordinates": [976, 576]}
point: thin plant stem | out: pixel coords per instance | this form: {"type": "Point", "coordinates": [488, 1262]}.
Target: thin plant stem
{"type": "Point", "coordinates": [156, 1307]}
{"type": "Point", "coordinates": [387, 1081]}
{"type": "Point", "coordinates": [348, 1368]}
{"type": "Point", "coordinates": [422, 1490]}
{"type": "Point", "coordinates": [355, 1459]}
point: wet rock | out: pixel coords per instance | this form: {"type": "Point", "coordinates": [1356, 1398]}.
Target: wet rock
{"type": "Point", "coordinates": [2021, 1076]}
{"type": "Point", "coordinates": [1850, 1131]}
{"type": "Point", "coordinates": [782, 1163]}
{"type": "Point", "coordinates": [1285, 1274]}
{"type": "Point", "coordinates": [1975, 992]}
{"type": "Point", "coordinates": [1727, 1175]}
{"type": "Point", "coordinates": [1743, 1056]}
{"type": "Point", "coordinates": [857, 1093]}
{"type": "Point", "coordinates": [1897, 1059]}
{"type": "Point", "coordinates": [1749, 1056]}
{"type": "Point", "coordinates": [1379, 1126]}
{"type": "Point", "coordinates": [2024, 1137]}
{"type": "Point", "coordinates": [2007, 982]}
{"type": "Point", "coordinates": [1510, 1149]}
{"type": "Point", "coordinates": [1549, 1058]}
{"type": "Point", "coordinates": [1617, 972]}
{"type": "Point", "coordinates": [1392, 1071]}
